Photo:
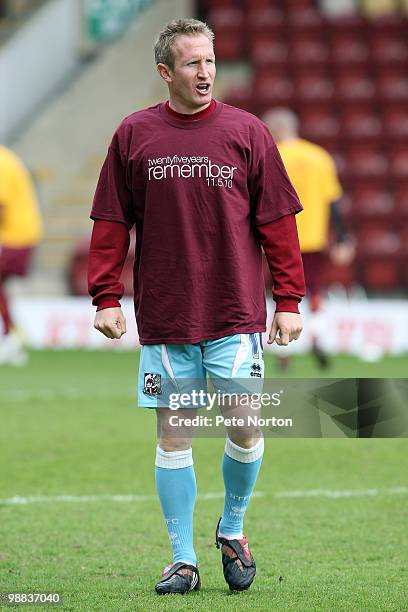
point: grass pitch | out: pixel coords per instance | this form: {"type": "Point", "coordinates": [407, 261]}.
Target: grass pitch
{"type": "Point", "coordinates": [70, 427]}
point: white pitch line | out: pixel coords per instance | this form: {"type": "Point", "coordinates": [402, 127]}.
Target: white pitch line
{"type": "Point", "coordinates": [20, 501]}
{"type": "Point", "coordinates": [19, 395]}
{"type": "Point", "coordinates": [343, 492]}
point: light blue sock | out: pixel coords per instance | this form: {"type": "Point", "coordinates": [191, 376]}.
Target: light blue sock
{"type": "Point", "coordinates": [176, 486]}
{"type": "Point", "coordinates": [240, 467]}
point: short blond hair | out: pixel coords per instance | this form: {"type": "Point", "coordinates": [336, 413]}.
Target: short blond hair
{"type": "Point", "coordinates": [163, 49]}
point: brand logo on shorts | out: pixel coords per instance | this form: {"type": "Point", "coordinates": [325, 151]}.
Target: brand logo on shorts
{"type": "Point", "coordinates": [152, 384]}
{"type": "Point", "coordinates": [256, 370]}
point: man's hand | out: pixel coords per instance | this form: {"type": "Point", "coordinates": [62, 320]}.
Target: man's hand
{"type": "Point", "coordinates": [286, 326]}
{"type": "Point", "coordinates": [110, 322]}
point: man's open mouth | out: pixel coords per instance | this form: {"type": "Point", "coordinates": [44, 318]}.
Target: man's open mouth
{"type": "Point", "coordinates": [203, 88]}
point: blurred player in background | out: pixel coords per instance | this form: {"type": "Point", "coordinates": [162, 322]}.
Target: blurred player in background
{"type": "Point", "coordinates": [20, 232]}
{"type": "Point", "coordinates": [204, 185]}
{"type": "Point", "coordinates": [313, 174]}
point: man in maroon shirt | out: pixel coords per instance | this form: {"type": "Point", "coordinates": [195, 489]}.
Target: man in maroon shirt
{"type": "Point", "coordinates": [205, 188]}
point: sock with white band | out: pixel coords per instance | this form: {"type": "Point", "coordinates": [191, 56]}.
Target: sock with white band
{"type": "Point", "coordinates": [176, 487]}
{"type": "Point", "coordinates": [240, 468]}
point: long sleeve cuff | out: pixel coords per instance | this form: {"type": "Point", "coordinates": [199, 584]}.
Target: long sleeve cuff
{"type": "Point", "coordinates": [107, 302]}
{"type": "Point", "coordinates": [109, 246]}
{"type": "Point", "coordinates": [287, 304]}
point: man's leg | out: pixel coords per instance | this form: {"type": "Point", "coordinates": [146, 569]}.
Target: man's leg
{"type": "Point", "coordinates": [176, 487]}
{"type": "Point", "coordinates": [176, 483]}
{"type": "Point", "coordinates": [313, 265]}
{"type": "Point", "coordinates": [236, 363]}
{"type": "Point", "coordinates": [240, 468]}
{"type": "Point", "coordinates": [13, 262]}
{"type": "Point", "coordinates": [5, 314]}
{"type": "Point", "coordinates": [163, 370]}
{"type": "Point", "coordinates": [11, 347]}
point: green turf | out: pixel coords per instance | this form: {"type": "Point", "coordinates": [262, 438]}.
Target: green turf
{"type": "Point", "coordinates": [69, 426]}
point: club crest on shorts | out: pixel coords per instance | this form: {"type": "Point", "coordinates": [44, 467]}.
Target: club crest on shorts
{"type": "Point", "coordinates": [152, 384]}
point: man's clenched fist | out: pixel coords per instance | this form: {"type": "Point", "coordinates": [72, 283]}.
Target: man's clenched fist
{"type": "Point", "coordinates": [110, 322]}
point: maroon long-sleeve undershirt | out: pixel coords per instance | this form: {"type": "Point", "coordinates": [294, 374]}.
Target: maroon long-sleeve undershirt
{"type": "Point", "coordinates": [280, 243]}
{"type": "Point", "coordinates": [110, 244]}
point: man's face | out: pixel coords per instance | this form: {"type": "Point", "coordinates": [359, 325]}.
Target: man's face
{"type": "Point", "coordinates": [192, 77]}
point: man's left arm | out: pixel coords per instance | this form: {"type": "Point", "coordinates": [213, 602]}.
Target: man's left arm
{"type": "Point", "coordinates": [342, 252]}
{"type": "Point", "coordinates": [280, 242]}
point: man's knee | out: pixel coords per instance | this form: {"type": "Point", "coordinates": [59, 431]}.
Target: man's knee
{"type": "Point", "coordinates": [172, 436]}
{"type": "Point", "coordinates": [245, 438]}
{"type": "Point", "coordinates": [174, 444]}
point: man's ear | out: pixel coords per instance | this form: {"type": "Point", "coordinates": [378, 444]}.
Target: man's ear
{"type": "Point", "coordinates": [164, 72]}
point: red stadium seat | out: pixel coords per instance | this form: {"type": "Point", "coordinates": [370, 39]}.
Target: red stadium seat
{"type": "Point", "coordinates": [308, 50]}
{"type": "Point", "coordinates": [404, 258]}
{"type": "Point", "coordinates": [404, 243]}
{"type": "Point", "coordinates": [395, 120]}
{"type": "Point", "coordinates": [378, 258]}
{"type": "Point", "coordinates": [401, 201]}
{"type": "Point", "coordinates": [377, 242]}
{"type": "Point", "coordinates": [318, 124]}
{"type": "Point", "coordinates": [387, 22]}
{"type": "Point", "coordinates": [209, 5]}
{"type": "Point", "coordinates": [380, 274]}
{"type": "Point", "coordinates": [292, 6]}
{"type": "Point", "coordinates": [266, 49]}
{"type": "Point", "coordinates": [312, 87]}
{"type": "Point", "coordinates": [228, 46]}
{"type": "Point", "coordinates": [272, 88]}
{"type": "Point", "coordinates": [392, 85]}
{"type": "Point", "coordinates": [304, 17]}
{"type": "Point", "coordinates": [241, 97]}
{"type": "Point", "coordinates": [348, 22]}
{"type": "Point", "coordinates": [339, 275]}
{"type": "Point", "coordinates": [354, 87]}
{"type": "Point", "coordinates": [348, 48]}
{"type": "Point", "coordinates": [399, 162]}
{"type": "Point", "coordinates": [366, 162]}
{"type": "Point", "coordinates": [225, 18]}
{"type": "Point", "coordinates": [265, 18]}
{"type": "Point", "coordinates": [360, 123]}
{"type": "Point", "coordinates": [373, 202]}
{"type": "Point", "coordinates": [257, 4]}
{"type": "Point", "coordinates": [388, 48]}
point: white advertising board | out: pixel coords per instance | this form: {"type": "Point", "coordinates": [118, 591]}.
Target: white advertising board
{"type": "Point", "coordinates": [377, 326]}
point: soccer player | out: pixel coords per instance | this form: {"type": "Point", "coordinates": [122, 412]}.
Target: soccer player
{"type": "Point", "coordinates": [204, 185]}
{"type": "Point", "coordinates": [20, 232]}
{"type": "Point", "coordinates": [313, 174]}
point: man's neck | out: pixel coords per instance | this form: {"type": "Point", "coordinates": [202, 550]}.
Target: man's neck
{"type": "Point", "coordinates": [184, 110]}
{"type": "Point", "coordinates": [200, 114]}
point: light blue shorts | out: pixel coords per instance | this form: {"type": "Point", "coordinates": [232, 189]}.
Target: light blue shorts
{"type": "Point", "coordinates": [234, 364]}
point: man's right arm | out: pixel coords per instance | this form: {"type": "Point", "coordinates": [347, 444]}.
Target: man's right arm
{"type": "Point", "coordinates": [109, 246]}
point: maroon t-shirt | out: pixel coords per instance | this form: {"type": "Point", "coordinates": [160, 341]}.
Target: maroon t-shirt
{"type": "Point", "coordinates": [195, 190]}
